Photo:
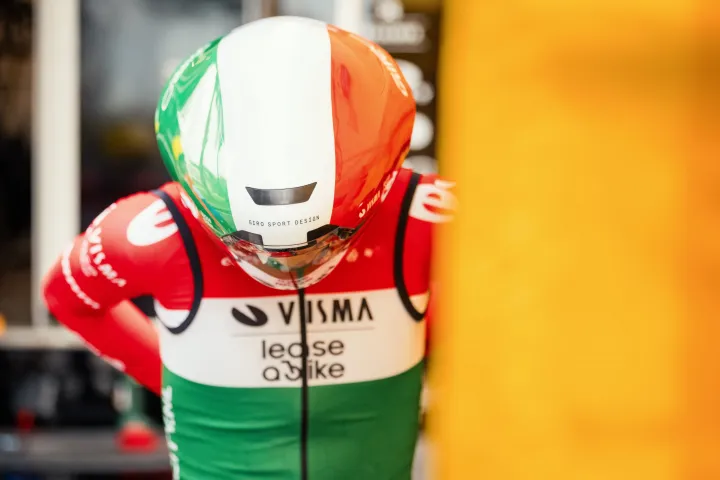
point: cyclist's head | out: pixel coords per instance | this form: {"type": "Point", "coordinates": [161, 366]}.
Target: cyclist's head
{"type": "Point", "coordinates": [286, 135]}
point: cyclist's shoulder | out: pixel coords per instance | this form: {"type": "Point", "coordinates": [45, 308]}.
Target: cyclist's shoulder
{"type": "Point", "coordinates": [426, 200]}
{"type": "Point", "coordinates": [132, 248]}
{"type": "Point", "coordinates": [125, 209]}
{"type": "Point", "coordinates": [138, 227]}
{"type": "Point", "coordinates": [419, 201]}
{"type": "Point", "coordinates": [425, 197]}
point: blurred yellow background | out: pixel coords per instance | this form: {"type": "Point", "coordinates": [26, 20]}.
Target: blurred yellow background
{"type": "Point", "coordinates": [581, 278]}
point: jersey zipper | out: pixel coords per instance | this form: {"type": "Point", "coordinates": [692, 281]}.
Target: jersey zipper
{"type": "Point", "coordinates": [304, 389]}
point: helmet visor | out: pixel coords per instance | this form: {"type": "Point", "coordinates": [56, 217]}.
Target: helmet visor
{"type": "Point", "coordinates": [291, 262]}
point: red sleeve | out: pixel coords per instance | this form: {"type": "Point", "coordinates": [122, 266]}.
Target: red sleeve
{"type": "Point", "coordinates": [128, 251]}
{"type": "Point", "coordinates": [433, 204]}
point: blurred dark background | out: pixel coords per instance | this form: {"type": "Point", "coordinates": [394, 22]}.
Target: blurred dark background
{"type": "Point", "coordinates": [52, 390]}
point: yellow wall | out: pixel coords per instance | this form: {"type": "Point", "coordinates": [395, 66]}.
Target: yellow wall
{"type": "Point", "coordinates": [579, 335]}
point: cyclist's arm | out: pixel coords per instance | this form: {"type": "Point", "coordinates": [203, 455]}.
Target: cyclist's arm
{"type": "Point", "coordinates": [90, 286]}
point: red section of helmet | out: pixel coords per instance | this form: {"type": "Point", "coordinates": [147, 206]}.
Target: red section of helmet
{"type": "Point", "coordinates": [373, 115]}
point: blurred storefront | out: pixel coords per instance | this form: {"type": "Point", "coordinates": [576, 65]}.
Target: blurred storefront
{"type": "Point", "coordinates": [15, 181]}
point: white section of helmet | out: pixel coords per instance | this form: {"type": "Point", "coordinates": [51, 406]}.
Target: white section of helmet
{"type": "Point", "coordinates": [288, 142]}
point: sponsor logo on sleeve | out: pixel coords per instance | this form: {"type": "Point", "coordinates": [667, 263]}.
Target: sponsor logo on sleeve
{"type": "Point", "coordinates": [72, 283]}
{"type": "Point", "coordinates": [434, 202]}
{"type": "Point", "coordinates": [151, 226]}
{"type": "Point", "coordinates": [93, 260]}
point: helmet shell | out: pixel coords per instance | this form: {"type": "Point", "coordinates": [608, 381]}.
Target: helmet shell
{"type": "Point", "coordinates": [284, 127]}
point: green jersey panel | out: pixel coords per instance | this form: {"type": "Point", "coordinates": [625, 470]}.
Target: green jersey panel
{"type": "Point", "coordinates": [255, 433]}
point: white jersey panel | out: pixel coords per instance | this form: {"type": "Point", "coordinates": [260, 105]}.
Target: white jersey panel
{"type": "Point", "coordinates": [256, 342]}
{"type": "Point", "coordinates": [266, 73]}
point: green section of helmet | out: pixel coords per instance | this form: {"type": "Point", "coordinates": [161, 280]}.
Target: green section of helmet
{"type": "Point", "coordinates": [190, 135]}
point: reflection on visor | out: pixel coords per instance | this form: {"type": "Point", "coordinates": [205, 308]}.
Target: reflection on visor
{"type": "Point", "coordinates": [300, 259]}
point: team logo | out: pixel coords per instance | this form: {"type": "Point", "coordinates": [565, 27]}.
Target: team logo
{"type": "Point", "coordinates": [434, 202]}
{"type": "Point", "coordinates": [257, 317]}
{"type": "Point", "coordinates": [151, 226]}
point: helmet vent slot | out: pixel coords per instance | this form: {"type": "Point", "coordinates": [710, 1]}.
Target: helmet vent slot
{"type": "Point", "coordinates": [281, 196]}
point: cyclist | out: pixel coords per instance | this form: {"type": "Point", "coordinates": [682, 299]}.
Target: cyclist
{"type": "Point", "coordinates": [285, 140]}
